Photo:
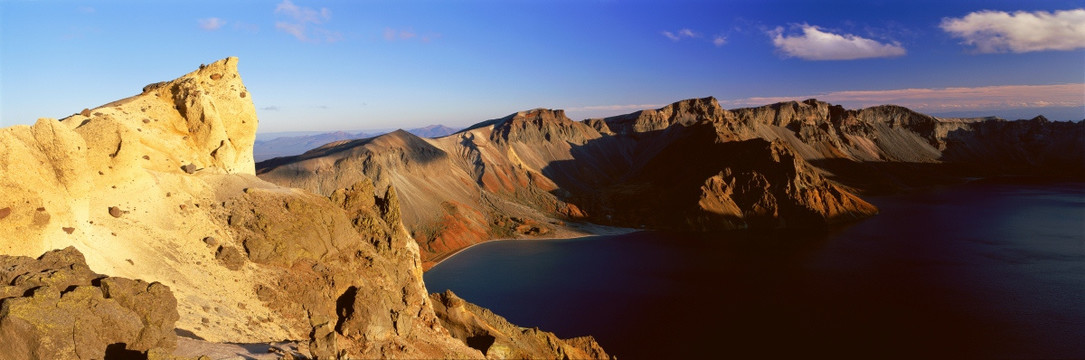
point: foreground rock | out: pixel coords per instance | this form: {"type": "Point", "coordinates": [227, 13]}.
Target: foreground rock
{"type": "Point", "coordinates": [55, 307]}
{"type": "Point", "coordinates": [498, 339]}
{"type": "Point", "coordinates": [161, 186]}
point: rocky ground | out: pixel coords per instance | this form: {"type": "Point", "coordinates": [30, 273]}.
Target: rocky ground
{"type": "Point", "coordinates": [161, 187]}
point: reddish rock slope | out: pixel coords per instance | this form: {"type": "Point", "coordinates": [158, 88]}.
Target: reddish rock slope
{"type": "Point", "coordinates": [690, 165]}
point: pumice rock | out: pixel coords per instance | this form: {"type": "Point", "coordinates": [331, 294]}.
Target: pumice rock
{"type": "Point", "coordinates": [55, 307]}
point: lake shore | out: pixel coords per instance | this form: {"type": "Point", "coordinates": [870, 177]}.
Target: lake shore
{"type": "Point", "coordinates": [571, 231]}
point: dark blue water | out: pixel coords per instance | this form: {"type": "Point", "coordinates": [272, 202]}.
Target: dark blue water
{"type": "Point", "coordinates": [979, 270]}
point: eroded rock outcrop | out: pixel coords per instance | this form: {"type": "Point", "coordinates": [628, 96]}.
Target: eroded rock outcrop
{"type": "Point", "coordinates": [675, 168]}
{"type": "Point", "coordinates": [498, 339]}
{"type": "Point", "coordinates": [733, 185]}
{"type": "Point", "coordinates": [160, 186]}
{"type": "Point", "coordinates": [55, 307]}
{"type": "Point", "coordinates": [457, 190]}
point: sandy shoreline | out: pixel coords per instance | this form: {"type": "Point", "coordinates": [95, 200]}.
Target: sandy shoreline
{"type": "Point", "coordinates": [571, 231]}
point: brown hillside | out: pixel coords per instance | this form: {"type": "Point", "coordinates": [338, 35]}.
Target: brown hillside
{"type": "Point", "coordinates": [690, 165]}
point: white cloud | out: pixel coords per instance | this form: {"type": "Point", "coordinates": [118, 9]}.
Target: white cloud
{"type": "Point", "coordinates": [302, 22]}
{"type": "Point", "coordinates": [815, 44]}
{"type": "Point", "coordinates": [298, 30]}
{"type": "Point", "coordinates": [945, 99]}
{"type": "Point", "coordinates": [211, 24]}
{"type": "Point", "coordinates": [303, 14]}
{"type": "Point", "coordinates": [999, 31]}
{"type": "Point", "coordinates": [719, 40]}
{"type": "Point", "coordinates": [684, 33]}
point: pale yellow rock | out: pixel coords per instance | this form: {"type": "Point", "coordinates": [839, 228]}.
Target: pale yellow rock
{"type": "Point", "coordinates": [61, 176]}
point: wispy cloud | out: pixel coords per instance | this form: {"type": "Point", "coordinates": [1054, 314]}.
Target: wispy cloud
{"type": "Point", "coordinates": [211, 24]}
{"type": "Point", "coordinates": [680, 34]}
{"type": "Point", "coordinates": [719, 40]}
{"type": "Point", "coordinates": [944, 99]}
{"type": "Point", "coordinates": [302, 22]}
{"type": "Point", "coordinates": [391, 34]}
{"type": "Point", "coordinates": [999, 31]}
{"type": "Point", "coordinates": [815, 44]}
{"type": "Point", "coordinates": [270, 108]}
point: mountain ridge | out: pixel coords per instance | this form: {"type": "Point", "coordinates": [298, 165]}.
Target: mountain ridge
{"type": "Point", "coordinates": [281, 146]}
{"type": "Point", "coordinates": [546, 171]}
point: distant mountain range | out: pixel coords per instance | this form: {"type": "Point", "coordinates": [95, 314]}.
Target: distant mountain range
{"type": "Point", "coordinates": [273, 145]}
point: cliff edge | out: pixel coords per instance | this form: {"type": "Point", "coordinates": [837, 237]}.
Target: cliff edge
{"type": "Point", "coordinates": [160, 186]}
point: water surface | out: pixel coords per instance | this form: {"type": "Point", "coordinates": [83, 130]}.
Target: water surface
{"type": "Point", "coordinates": [980, 270]}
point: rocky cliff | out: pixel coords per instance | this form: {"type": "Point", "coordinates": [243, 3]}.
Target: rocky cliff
{"type": "Point", "coordinates": [455, 191]}
{"type": "Point", "coordinates": [160, 186]}
{"type": "Point", "coordinates": [691, 165]}
{"type": "Point", "coordinates": [498, 339]}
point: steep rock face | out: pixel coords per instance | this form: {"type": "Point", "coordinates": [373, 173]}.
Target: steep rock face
{"type": "Point", "coordinates": [684, 112]}
{"type": "Point", "coordinates": [770, 187]}
{"type": "Point", "coordinates": [674, 167]}
{"type": "Point", "coordinates": [540, 125]}
{"type": "Point", "coordinates": [160, 186]}
{"type": "Point", "coordinates": [998, 146]}
{"type": "Point", "coordinates": [498, 339]}
{"type": "Point", "coordinates": [343, 271]}
{"type": "Point", "coordinates": [131, 183]}
{"type": "Point", "coordinates": [529, 172]}
{"type": "Point", "coordinates": [732, 185]}
{"type": "Point", "coordinates": [891, 148]}
{"type": "Point", "coordinates": [457, 190]}
{"type": "Point", "coordinates": [55, 307]}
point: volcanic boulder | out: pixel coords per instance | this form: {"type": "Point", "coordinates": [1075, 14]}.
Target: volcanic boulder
{"type": "Point", "coordinates": [55, 307]}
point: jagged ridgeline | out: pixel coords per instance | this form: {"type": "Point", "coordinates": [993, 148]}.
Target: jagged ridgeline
{"type": "Point", "coordinates": [161, 187]}
{"type": "Point", "coordinates": [691, 165]}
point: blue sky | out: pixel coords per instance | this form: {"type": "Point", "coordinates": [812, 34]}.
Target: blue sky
{"type": "Point", "coordinates": [354, 65]}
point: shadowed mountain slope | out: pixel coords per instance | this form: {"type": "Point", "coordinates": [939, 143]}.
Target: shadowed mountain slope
{"type": "Point", "coordinates": [691, 165]}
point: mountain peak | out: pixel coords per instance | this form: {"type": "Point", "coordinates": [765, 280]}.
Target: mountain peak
{"type": "Point", "coordinates": [205, 118]}
{"type": "Point", "coordinates": [683, 112]}
{"type": "Point", "coordinates": [539, 125]}
{"type": "Point", "coordinates": [705, 102]}
{"type": "Point", "coordinates": [540, 114]}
